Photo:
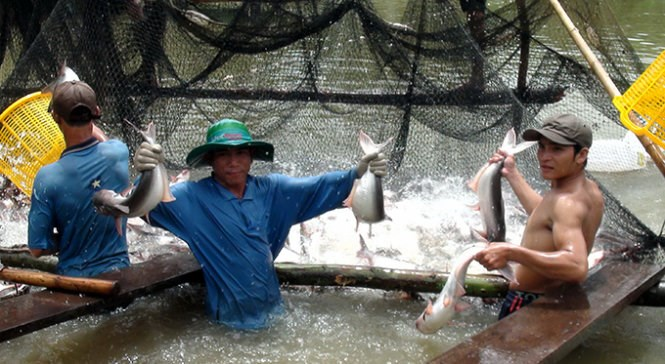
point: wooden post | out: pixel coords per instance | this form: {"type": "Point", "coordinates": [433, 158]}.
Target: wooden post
{"type": "Point", "coordinates": [610, 87]}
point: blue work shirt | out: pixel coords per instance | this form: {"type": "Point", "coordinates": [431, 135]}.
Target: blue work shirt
{"type": "Point", "coordinates": [236, 240]}
{"type": "Point", "coordinates": [62, 198]}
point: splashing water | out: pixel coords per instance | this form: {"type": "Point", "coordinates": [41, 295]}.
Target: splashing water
{"type": "Point", "coordinates": [431, 222]}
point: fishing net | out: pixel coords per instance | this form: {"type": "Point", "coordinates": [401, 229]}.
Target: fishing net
{"type": "Point", "coordinates": [446, 81]}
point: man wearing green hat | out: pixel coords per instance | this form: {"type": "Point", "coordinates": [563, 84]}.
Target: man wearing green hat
{"type": "Point", "coordinates": [236, 223]}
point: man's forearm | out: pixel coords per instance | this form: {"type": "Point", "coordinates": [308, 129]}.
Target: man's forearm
{"type": "Point", "coordinates": [528, 197]}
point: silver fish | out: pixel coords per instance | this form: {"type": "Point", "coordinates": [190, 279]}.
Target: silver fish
{"type": "Point", "coordinates": [381, 259]}
{"type": "Point", "coordinates": [152, 189]}
{"type": "Point", "coordinates": [366, 197]}
{"type": "Point", "coordinates": [64, 74]}
{"type": "Point", "coordinates": [439, 313]}
{"type": "Point", "coordinates": [487, 184]}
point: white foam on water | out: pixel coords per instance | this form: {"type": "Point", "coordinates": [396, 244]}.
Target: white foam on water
{"type": "Point", "coordinates": [431, 222]}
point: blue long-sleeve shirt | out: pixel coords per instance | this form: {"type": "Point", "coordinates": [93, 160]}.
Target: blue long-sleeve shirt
{"type": "Point", "coordinates": [236, 240]}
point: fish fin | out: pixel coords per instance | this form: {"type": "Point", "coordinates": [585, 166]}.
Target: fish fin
{"type": "Point", "coordinates": [520, 147]}
{"type": "Point", "coordinates": [460, 291]}
{"type": "Point", "coordinates": [508, 273]}
{"type": "Point", "coordinates": [349, 199]}
{"type": "Point", "coordinates": [429, 308]}
{"type": "Point", "coordinates": [127, 191]}
{"type": "Point", "coordinates": [122, 208]}
{"type": "Point", "coordinates": [510, 145]}
{"type": "Point", "coordinates": [446, 301]}
{"type": "Point", "coordinates": [479, 235]}
{"type": "Point", "coordinates": [509, 140]}
{"type": "Point", "coordinates": [368, 145]}
{"type": "Point", "coordinates": [150, 132]}
{"type": "Point", "coordinates": [118, 224]}
{"type": "Point", "coordinates": [473, 184]}
{"type": "Point", "coordinates": [167, 196]}
{"type": "Point", "coordinates": [461, 306]}
{"type": "Point", "coordinates": [363, 245]}
{"type": "Point", "coordinates": [132, 125]}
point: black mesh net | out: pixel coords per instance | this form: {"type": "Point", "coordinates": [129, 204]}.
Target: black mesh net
{"type": "Point", "coordinates": [446, 81]}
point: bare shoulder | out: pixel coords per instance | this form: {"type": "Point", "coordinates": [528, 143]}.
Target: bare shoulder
{"type": "Point", "coordinates": [578, 199]}
{"type": "Point", "coordinates": [595, 196]}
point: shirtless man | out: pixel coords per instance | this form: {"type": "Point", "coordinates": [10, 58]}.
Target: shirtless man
{"type": "Point", "coordinates": [562, 223]}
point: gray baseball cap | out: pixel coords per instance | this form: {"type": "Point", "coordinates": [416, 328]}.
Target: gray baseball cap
{"type": "Point", "coordinates": [564, 129]}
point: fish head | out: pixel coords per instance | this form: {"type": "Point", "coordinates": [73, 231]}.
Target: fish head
{"type": "Point", "coordinates": [436, 315]}
{"type": "Point", "coordinates": [108, 202]}
{"type": "Point", "coordinates": [421, 323]}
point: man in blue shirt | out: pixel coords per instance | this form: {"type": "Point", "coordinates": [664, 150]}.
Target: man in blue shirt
{"type": "Point", "coordinates": [236, 223]}
{"type": "Point", "coordinates": [86, 242]}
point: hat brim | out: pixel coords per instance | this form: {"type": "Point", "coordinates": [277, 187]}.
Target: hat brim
{"type": "Point", "coordinates": [260, 150]}
{"type": "Point", "coordinates": [535, 134]}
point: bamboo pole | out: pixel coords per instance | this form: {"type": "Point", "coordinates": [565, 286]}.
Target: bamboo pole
{"type": "Point", "coordinates": [477, 285]}
{"type": "Point", "coordinates": [652, 149]}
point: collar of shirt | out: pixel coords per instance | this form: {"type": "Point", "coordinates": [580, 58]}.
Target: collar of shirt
{"type": "Point", "coordinates": [249, 189]}
{"type": "Point", "coordinates": [75, 148]}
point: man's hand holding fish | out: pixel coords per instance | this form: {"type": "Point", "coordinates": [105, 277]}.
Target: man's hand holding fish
{"type": "Point", "coordinates": [562, 223]}
{"type": "Point", "coordinates": [236, 223]}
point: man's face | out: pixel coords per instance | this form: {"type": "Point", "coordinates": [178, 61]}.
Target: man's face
{"type": "Point", "coordinates": [556, 160]}
{"type": "Point", "coordinates": [231, 166]}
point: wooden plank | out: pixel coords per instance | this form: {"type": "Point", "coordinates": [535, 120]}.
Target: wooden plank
{"type": "Point", "coordinates": [30, 312]}
{"type": "Point", "coordinates": [552, 326]}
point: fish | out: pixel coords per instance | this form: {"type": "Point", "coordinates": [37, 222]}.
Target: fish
{"type": "Point", "coordinates": [65, 74]}
{"type": "Point", "coordinates": [183, 176]}
{"type": "Point", "coordinates": [152, 189]}
{"type": "Point", "coordinates": [439, 313]}
{"type": "Point", "coordinates": [487, 185]}
{"type": "Point", "coordinates": [366, 197]}
{"type": "Point", "coordinates": [381, 259]}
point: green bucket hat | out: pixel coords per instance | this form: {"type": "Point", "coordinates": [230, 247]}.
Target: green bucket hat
{"type": "Point", "coordinates": [226, 134]}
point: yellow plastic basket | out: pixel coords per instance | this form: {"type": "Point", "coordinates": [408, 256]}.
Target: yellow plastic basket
{"type": "Point", "coordinates": [642, 106]}
{"type": "Point", "coordinates": [29, 139]}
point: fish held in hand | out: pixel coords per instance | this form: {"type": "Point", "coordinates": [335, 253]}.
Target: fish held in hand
{"type": "Point", "coordinates": [439, 313]}
{"type": "Point", "coordinates": [152, 189]}
{"type": "Point", "coordinates": [366, 197]}
{"type": "Point", "coordinates": [487, 185]}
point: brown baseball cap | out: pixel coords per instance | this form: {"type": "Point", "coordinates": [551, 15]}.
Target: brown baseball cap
{"type": "Point", "coordinates": [564, 129]}
{"type": "Point", "coordinates": [75, 101]}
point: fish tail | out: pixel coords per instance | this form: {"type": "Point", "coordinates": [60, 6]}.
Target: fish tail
{"type": "Point", "coordinates": [367, 144]}
{"type": "Point", "coordinates": [510, 145]}
{"type": "Point", "coordinates": [509, 140]}
{"type": "Point", "coordinates": [167, 196]}
{"type": "Point", "coordinates": [150, 133]}
{"type": "Point", "coordinates": [118, 225]}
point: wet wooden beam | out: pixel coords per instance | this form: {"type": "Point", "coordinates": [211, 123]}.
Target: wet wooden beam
{"type": "Point", "coordinates": [30, 312]}
{"type": "Point", "coordinates": [552, 326]}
